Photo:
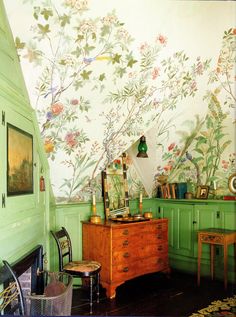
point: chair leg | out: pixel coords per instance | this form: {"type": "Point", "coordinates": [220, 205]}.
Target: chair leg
{"type": "Point", "coordinates": [91, 294]}
{"type": "Point", "coordinates": [98, 290]}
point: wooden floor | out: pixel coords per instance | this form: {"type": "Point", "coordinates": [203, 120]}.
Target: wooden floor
{"type": "Point", "coordinates": [156, 295]}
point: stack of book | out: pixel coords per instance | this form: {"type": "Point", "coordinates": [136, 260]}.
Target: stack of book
{"type": "Point", "coordinates": [172, 190]}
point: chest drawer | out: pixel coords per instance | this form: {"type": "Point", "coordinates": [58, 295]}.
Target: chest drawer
{"type": "Point", "coordinates": [128, 231]}
{"type": "Point", "coordinates": [130, 254]}
{"type": "Point", "coordinates": [139, 241]}
{"type": "Point", "coordinates": [129, 270]}
{"type": "Point", "coordinates": [159, 230]}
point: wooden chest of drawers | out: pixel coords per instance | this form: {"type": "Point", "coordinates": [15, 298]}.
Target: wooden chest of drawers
{"type": "Point", "coordinates": [126, 250]}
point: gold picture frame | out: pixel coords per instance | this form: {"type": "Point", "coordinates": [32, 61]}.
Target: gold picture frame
{"type": "Point", "coordinates": [19, 161]}
{"type": "Point", "coordinates": [202, 192]}
{"type": "Point", "coordinates": [232, 183]}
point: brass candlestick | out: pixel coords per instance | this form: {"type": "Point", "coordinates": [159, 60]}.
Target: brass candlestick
{"type": "Point", "coordinates": [140, 207]}
{"type": "Point", "coordinates": [95, 218]}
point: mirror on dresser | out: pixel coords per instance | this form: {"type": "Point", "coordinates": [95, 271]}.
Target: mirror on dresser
{"type": "Point", "coordinates": [115, 189]}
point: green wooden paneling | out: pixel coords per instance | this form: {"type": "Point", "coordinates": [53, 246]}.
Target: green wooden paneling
{"type": "Point", "coordinates": [24, 218]}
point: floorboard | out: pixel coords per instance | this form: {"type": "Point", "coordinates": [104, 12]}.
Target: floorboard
{"type": "Point", "coordinates": [155, 295]}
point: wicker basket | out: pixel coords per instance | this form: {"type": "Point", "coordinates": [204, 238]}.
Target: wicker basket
{"type": "Point", "coordinates": [58, 303]}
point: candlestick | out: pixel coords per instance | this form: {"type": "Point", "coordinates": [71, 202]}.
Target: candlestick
{"type": "Point", "coordinates": [94, 218]}
{"type": "Point", "coordinates": [141, 198]}
{"type": "Point", "coordinates": [214, 185]}
{"type": "Point", "coordinates": [94, 199]}
{"type": "Point", "coordinates": [140, 207]}
{"type": "Point", "coordinates": [94, 209]}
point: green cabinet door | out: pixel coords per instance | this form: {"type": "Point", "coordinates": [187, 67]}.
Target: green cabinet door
{"type": "Point", "coordinates": [228, 215]}
{"type": "Point", "coordinates": [205, 216]}
{"type": "Point", "coordinates": [228, 219]}
{"type": "Point", "coordinates": [180, 227]}
{"type": "Point", "coordinates": [168, 211]}
{"type": "Point", "coordinates": [184, 230]}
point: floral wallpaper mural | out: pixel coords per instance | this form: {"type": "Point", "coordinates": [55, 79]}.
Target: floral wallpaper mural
{"type": "Point", "coordinates": [96, 88]}
{"type": "Point", "coordinates": [200, 157]}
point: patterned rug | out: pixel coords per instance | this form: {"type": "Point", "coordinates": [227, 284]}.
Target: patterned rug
{"type": "Point", "coordinates": [219, 308]}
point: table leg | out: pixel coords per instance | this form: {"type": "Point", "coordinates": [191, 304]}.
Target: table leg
{"type": "Point", "coordinates": [225, 264]}
{"type": "Point", "coordinates": [212, 260]}
{"type": "Point", "coordinates": [199, 260]}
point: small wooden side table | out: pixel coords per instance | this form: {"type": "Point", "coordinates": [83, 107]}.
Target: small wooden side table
{"type": "Point", "coordinates": [215, 236]}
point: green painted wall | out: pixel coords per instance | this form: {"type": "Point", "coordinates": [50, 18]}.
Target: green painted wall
{"type": "Point", "coordinates": [24, 219]}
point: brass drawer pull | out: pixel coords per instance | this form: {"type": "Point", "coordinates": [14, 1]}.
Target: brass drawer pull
{"type": "Point", "coordinates": [125, 232]}
{"type": "Point", "coordinates": [159, 226]}
{"type": "Point", "coordinates": [160, 248]}
{"type": "Point", "coordinates": [126, 255]}
{"type": "Point", "coordinates": [159, 236]}
{"type": "Point", "coordinates": [125, 243]}
{"type": "Point", "coordinates": [125, 269]}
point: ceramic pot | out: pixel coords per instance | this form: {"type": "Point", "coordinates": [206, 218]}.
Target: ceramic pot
{"type": "Point", "coordinates": [188, 195]}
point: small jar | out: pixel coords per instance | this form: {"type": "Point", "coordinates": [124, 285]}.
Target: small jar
{"type": "Point", "coordinates": [188, 195]}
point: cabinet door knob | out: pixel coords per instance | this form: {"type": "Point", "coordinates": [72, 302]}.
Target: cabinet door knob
{"type": "Point", "coordinates": [194, 222]}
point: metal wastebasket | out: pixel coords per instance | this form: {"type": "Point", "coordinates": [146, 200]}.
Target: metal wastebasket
{"type": "Point", "coordinates": [57, 297]}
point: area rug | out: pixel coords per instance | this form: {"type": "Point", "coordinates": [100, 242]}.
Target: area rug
{"type": "Point", "coordinates": [219, 308]}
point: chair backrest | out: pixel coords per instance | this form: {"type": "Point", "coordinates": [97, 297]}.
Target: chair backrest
{"type": "Point", "coordinates": [11, 297]}
{"type": "Point", "coordinates": [64, 246]}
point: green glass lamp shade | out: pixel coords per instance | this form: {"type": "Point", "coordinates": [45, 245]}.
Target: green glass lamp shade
{"type": "Point", "coordinates": [142, 148]}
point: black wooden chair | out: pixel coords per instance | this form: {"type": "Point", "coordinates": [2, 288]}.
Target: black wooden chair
{"type": "Point", "coordinates": [81, 269]}
{"type": "Point", "coordinates": [11, 297]}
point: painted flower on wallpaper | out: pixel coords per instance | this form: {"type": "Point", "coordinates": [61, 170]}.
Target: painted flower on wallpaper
{"type": "Point", "coordinates": [229, 164]}
{"type": "Point", "coordinates": [162, 39]}
{"type": "Point", "coordinates": [57, 108]}
{"type": "Point", "coordinates": [48, 146]}
{"type": "Point", "coordinates": [88, 71]}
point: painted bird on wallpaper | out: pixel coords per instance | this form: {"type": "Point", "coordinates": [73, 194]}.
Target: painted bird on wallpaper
{"type": "Point", "coordinates": [189, 156]}
{"type": "Point", "coordinates": [50, 91]}
{"type": "Point", "coordinates": [88, 60]}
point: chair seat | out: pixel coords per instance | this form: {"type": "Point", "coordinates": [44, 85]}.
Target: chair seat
{"type": "Point", "coordinates": [82, 266]}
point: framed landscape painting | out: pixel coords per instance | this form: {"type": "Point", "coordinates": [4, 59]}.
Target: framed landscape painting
{"type": "Point", "coordinates": [19, 161]}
